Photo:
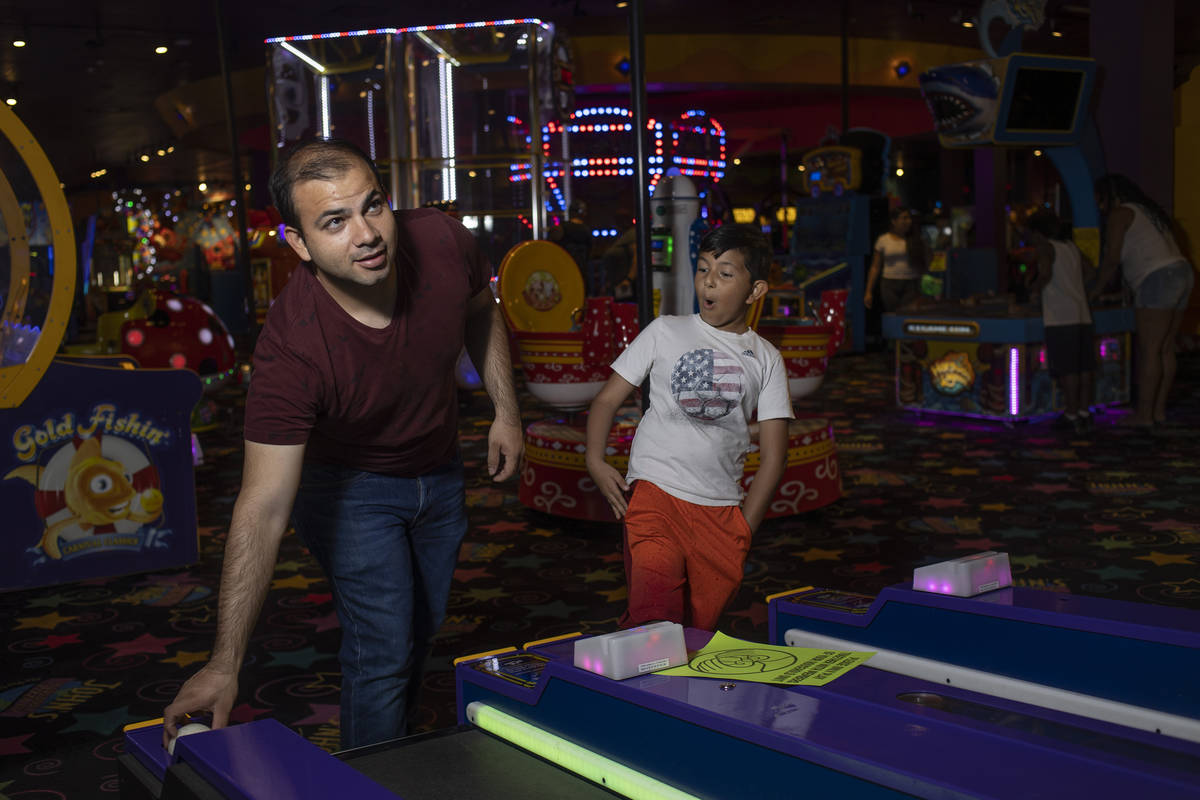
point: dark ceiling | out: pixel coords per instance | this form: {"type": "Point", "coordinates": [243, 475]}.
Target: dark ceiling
{"type": "Point", "coordinates": [86, 81]}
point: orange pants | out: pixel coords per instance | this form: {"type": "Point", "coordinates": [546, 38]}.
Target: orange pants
{"type": "Point", "coordinates": [683, 561]}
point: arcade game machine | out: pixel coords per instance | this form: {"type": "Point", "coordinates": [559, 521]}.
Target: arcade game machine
{"type": "Point", "coordinates": [954, 686]}
{"type": "Point", "coordinates": [985, 358]}
{"type": "Point", "coordinates": [437, 108]}
{"type": "Point", "coordinates": [271, 260]}
{"type": "Point", "coordinates": [96, 479]}
{"type": "Point", "coordinates": [831, 239]}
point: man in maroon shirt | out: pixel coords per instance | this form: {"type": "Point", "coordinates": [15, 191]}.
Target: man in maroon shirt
{"type": "Point", "coordinates": [352, 431]}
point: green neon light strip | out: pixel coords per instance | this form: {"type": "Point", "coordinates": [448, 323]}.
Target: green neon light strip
{"type": "Point", "coordinates": [596, 768]}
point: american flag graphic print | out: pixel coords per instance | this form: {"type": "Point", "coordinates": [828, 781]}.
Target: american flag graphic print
{"type": "Point", "coordinates": [707, 384]}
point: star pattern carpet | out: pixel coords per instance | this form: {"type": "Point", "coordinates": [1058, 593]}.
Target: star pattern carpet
{"type": "Point", "coordinates": [1112, 514]}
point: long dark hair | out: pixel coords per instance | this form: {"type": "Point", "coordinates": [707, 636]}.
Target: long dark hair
{"type": "Point", "coordinates": [1118, 189]}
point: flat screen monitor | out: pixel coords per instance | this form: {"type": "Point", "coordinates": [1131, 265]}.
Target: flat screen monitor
{"type": "Point", "coordinates": [1044, 100]}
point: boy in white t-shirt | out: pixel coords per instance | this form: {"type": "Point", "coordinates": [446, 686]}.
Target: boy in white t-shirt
{"type": "Point", "coordinates": [687, 526]}
{"type": "Point", "coordinates": [1066, 316]}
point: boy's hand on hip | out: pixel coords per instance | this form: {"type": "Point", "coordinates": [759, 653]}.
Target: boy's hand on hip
{"type": "Point", "coordinates": [611, 484]}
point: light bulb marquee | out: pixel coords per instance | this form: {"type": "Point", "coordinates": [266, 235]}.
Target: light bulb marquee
{"type": "Point", "coordinates": [694, 144]}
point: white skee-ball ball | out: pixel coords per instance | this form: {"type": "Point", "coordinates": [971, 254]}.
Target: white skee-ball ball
{"type": "Point", "coordinates": [186, 730]}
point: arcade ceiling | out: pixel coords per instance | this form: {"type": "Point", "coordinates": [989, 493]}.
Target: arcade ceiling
{"type": "Point", "coordinates": [88, 76]}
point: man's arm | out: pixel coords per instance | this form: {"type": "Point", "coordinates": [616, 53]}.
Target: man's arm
{"type": "Point", "coordinates": [1119, 220]}
{"type": "Point", "coordinates": [487, 345]}
{"type": "Point", "coordinates": [772, 458]}
{"type": "Point", "coordinates": [604, 407]}
{"type": "Point", "coordinates": [270, 477]}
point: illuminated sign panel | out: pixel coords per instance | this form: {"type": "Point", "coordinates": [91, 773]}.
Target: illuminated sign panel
{"type": "Point", "coordinates": [963, 329]}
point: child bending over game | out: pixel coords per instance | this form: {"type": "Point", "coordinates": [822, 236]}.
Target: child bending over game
{"type": "Point", "coordinates": [1066, 317]}
{"type": "Point", "coordinates": [687, 526]}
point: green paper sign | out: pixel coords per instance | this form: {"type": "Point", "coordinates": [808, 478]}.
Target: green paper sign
{"type": "Point", "coordinates": [735, 659]}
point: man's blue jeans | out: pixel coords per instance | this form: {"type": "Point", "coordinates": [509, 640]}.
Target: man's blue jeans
{"type": "Point", "coordinates": [388, 546]}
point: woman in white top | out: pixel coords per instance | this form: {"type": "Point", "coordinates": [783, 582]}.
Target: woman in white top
{"type": "Point", "coordinates": [898, 258]}
{"type": "Point", "coordinates": [1066, 317]}
{"type": "Point", "coordinates": [1138, 240]}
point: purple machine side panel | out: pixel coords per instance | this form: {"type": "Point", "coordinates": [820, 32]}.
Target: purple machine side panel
{"type": "Point", "coordinates": [260, 760]}
{"type": "Point", "coordinates": [890, 730]}
{"type": "Point", "coordinates": [1164, 624]}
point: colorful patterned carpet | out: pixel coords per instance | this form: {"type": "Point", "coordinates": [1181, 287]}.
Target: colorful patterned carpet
{"type": "Point", "coordinates": [1113, 514]}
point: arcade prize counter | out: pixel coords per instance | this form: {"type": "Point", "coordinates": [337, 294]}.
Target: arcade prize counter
{"type": "Point", "coordinates": [987, 359]}
{"type": "Point", "coordinates": [1015, 693]}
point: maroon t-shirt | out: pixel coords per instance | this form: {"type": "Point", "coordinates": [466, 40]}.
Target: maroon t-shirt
{"type": "Point", "coordinates": [379, 400]}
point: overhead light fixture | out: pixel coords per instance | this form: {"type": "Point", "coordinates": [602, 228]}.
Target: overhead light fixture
{"type": "Point", "coordinates": [203, 186]}
{"type": "Point", "coordinates": [160, 152]}
{"type": "Point", "coordinates": [966, 23]}
{"type": "Point", "coordinates": [1056, 34]}
{"type": "Point", "coordinates": [162, 48]}
{"type": "Point", "coordinates": [305, 57]}
{"type": "Point", "coordinates": [171, 149]}
{"type": "Point", "coordinates": [145, 157]}
{"type": "Point", "coordinates": [12, 101]}
{"type": "Point", "coordinates": [18, 42]}
{"type": "Point", "coordinates": [899, 172]}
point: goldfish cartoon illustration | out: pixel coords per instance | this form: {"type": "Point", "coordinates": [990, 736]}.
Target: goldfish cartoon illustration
{"type": "Point", "coordinates": [91, 487]}
{"type": "Point", "coordinates": [952, 373]}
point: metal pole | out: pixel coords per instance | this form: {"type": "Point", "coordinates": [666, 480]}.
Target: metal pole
{"type": "Point", "coordinates": [243, 252]}
{"type": "Point", "coordinates": [537, 190]}
{"type": "Point", "coordinates": [390, 90]}
{"type": "Point", "coordinates": [637, 91]}
{"type": "Point", "coordinates": [783, 186]}
{"type": "Point", "coordinates": [410, 107]}
{"type": "Point", "coordinates": [845, 66]}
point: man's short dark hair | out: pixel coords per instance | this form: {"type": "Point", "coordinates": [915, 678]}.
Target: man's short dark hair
{"type": "Point", "coordinates": [314, 160]}
{"type": "Point", "coordinates": [746, 239]}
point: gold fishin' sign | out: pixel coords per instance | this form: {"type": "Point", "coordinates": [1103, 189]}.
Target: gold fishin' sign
{"type": "Point", "coordinates": [952, 373]}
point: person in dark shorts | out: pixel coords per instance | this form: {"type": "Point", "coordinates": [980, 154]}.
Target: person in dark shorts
{"type": "Point", "coordinates": [1140, 244]}
{"type": "Point", "coordinates": [1066, 316]}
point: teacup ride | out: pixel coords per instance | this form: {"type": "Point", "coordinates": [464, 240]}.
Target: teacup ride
{"type": "Point", "coordinates": [806, 345]}
{"type": "Point", "coordinates": [564, 343]}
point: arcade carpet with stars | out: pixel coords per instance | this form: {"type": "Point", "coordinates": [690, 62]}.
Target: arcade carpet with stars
{"type": "Point", "coordinates": [1112, 514]}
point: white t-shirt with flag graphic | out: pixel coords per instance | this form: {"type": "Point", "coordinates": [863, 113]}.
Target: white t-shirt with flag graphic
{"type": "Point", "coordinates": [705, 386]}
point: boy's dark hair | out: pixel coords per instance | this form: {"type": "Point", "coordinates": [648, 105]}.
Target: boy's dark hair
{"type": "Point", "coordinates": [745, 239]}
{"type": "Point", "coordinates": [1048, 224]}
{"type": "Point", "coordinates": [313, 160]}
